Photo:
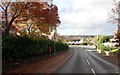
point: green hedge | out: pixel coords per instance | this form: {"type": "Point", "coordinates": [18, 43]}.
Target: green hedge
{"type": "Point", "coordinates": [61, 46]}
{"type": "Point", "coordinates": [23, 47]}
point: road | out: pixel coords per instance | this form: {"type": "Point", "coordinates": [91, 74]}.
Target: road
{"type": "Point", "coordinates": [84, 60]}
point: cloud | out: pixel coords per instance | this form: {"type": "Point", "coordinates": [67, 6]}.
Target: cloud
{"type": "Point", "coordinates": [83, 16]}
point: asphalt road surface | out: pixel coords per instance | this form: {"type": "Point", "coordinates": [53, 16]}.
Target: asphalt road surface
{"type": "Point", "coordinates": [84, 60]}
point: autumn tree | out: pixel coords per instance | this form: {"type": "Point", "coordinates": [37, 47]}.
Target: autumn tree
{"type": "Point", "coordinates": [32, 18]}
{"type": "Point", "coordinates": [41, 19]}
{"type": "Point", "coordinates": [9, 17]}
{"type": "Point", "coordinates": [115, 18]}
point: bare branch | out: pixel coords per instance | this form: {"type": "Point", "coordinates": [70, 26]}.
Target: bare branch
{"type": "Point", "coordinates": [8, 4]}
{"type": "Point", "coordinates": [2, 7]}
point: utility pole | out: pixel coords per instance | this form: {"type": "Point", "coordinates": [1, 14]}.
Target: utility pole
{"type": "Point", "coordinates": [97, 37]}
{"type": "Point", "coordinates": [82, 40]}
{"type": "Point", "coordinates": [54, 41]}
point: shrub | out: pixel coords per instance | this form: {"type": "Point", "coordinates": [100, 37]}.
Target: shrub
{"type": "Point", "coordinates": [66, 46]}
{"type": "Point", "coordinates": [85, 43]}
{"type": "Point", "coordinates": [104, 39]}
{"type": "Point", "coordinates": [78, 44]}
{"type": "Point", "coordinates": [61, 46]}
{"type": "Point", "coordinates": [106, 48]}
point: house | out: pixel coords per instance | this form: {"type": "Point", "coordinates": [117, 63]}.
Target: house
{"type": "Point", "coordinates": [53, 35]}
{"type": "Point", "coordinates": [116, 39]}
{"type": "Point", "coordinates": [74, 41]}
{"type": "Point", "coordinates": [112, 43]}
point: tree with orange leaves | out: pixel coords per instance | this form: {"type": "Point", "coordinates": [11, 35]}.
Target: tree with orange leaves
{"type": "Point", "coordinates": [41, 19]}
{"type": "Point", "coordinates": [9, 17]}
{"type": "Point", "coordinates": [31, 18]}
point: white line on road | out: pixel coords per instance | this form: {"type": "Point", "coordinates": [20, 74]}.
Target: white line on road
{"type": "Point", "coordinates": [93, 71]}
{"type": "Point", "coordinates": [88, 62]}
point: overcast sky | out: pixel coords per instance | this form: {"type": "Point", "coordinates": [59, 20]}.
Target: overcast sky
{"type": "Point", "coordinates": [85, 17]}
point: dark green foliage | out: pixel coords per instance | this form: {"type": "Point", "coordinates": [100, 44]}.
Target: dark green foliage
{"type": "Point", "coordinates": [85, 43]}
{"type": "Point", "coordinates": [104, 39]}
{"type": "Point", "coordinates": [23, 47]}
{"type": "Point", "coordinates": [61, 46]}
{"type": "Point", "coordinates": [59, 40]}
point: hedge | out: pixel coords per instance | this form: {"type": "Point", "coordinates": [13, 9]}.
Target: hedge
{"type": "Point", "coordinates": [23, 47]}
{"type": "Point", "coordinates": [85, 43]}
{"type": "Point", "coordinates": [61, 46]}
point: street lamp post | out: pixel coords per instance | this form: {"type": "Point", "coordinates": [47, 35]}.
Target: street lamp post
{"type": "Point", "coordinates": [82, 40]}
{"type": "Point", "coordinates": [97, 37]}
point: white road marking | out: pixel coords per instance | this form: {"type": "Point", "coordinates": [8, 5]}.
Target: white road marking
{"type": "Point", "coordinates": [93, 71]}
{"type": "Point", "coordinates": [88, 62]}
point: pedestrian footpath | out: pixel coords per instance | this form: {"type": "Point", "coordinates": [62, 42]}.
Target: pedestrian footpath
{"type": "Point", "coordinates": [110, 59]}
{"type": "Point", "coordinates": [46, 66]}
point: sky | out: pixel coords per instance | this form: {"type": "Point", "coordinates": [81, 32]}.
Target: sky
{"type": "Point", "coordinates": [85, 17]}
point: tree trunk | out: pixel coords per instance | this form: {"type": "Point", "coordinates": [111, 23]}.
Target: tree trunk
{"type": "Point", "coordinates": [6, 31]}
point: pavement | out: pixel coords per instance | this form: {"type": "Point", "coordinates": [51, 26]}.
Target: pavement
{"type": "Point", "coordinates": [45, 66]}
{"type": "Point", "coordinates": [87, 60]}
{"type": "Point", "coordinates": [110, 59]}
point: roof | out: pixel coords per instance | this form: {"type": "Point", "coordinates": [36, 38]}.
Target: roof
{"type": "Point", "coordinates": [75, 39]}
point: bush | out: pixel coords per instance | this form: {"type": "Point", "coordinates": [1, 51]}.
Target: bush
{"type": "Point", "coordinates": [23, 47]}
{"type": "Point", "coordinates": [85, 43]}
{"type": "Point", "coordinates": [78, 44]}
{"type": "Point", "coordinates": [61, 46]}
{"type": "Point", "coordinates": [104, 39]}
{"type": "Point", "coordinates": [106, 48]}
